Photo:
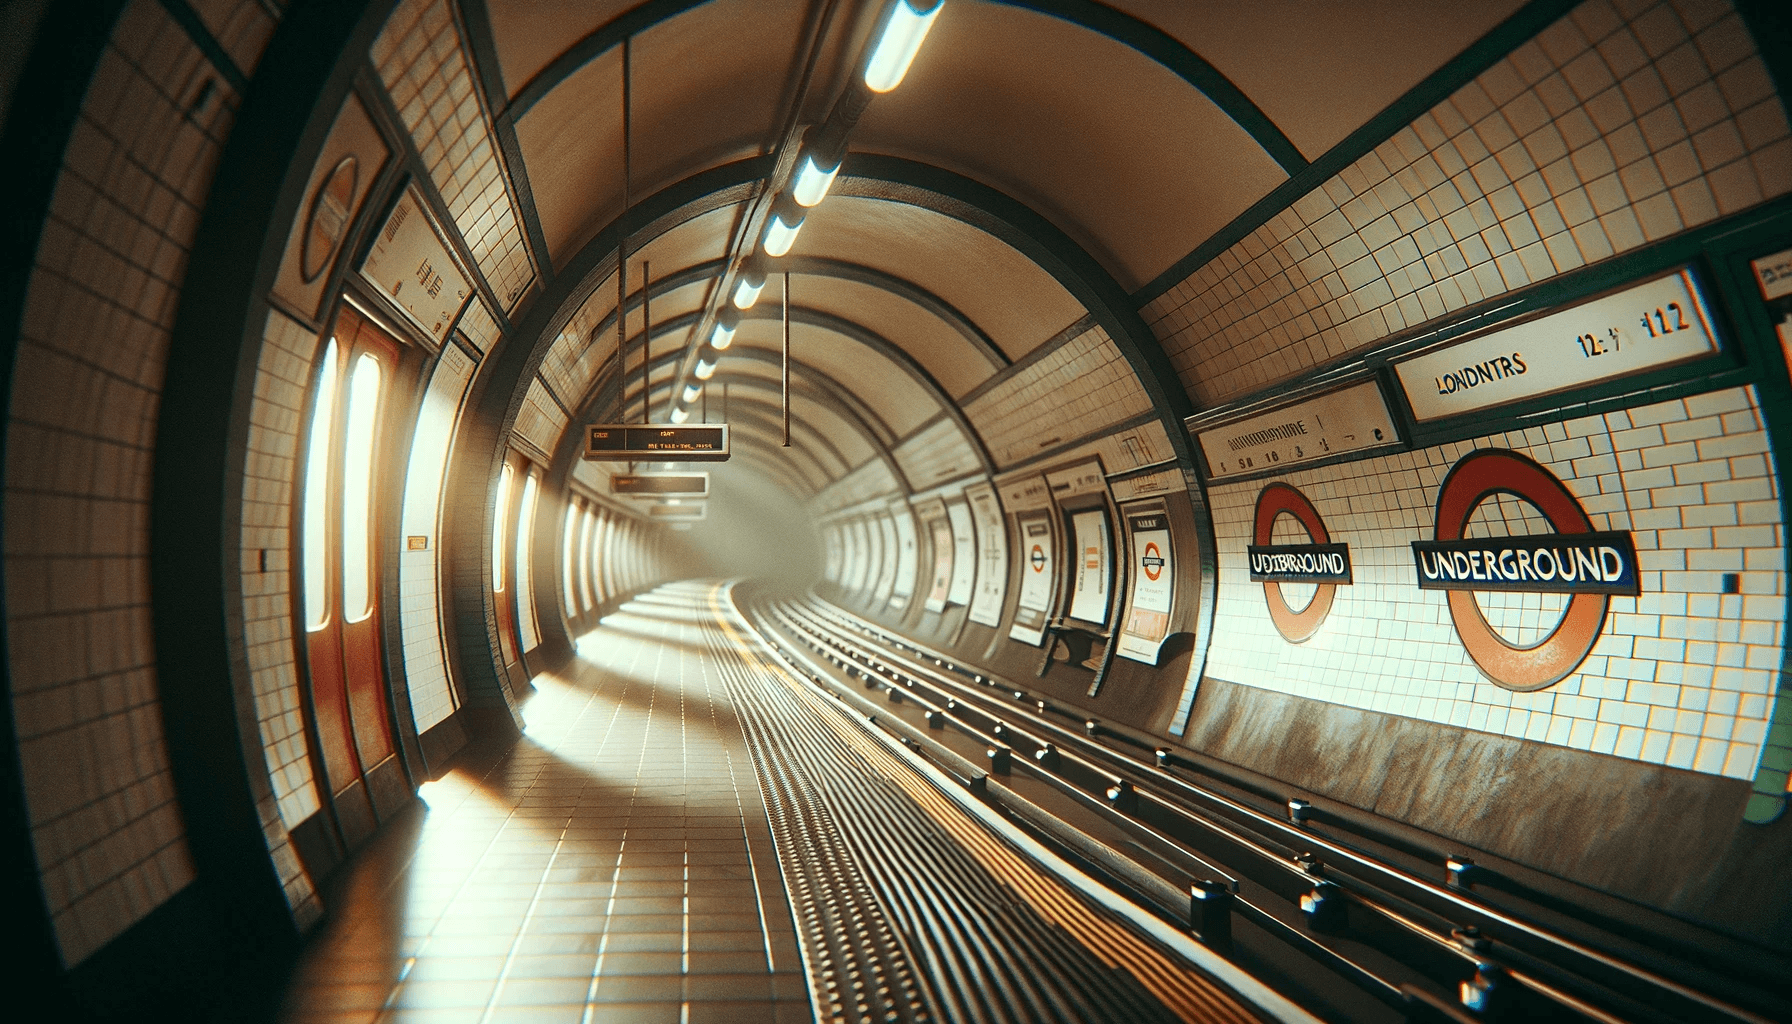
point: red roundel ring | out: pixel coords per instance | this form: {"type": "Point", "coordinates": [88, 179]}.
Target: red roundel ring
{"type": "Point", "coordinates": [1295, 627]}
{"type": "Point", "coordinates": [1475, 477]}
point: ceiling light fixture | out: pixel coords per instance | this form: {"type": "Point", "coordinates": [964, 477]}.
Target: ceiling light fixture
{"type": "Point", "coordinates": [812, 182]}
{"type": "Point", "coordinates": [780, 233]}
{"type": "Point", "coordinates": [906, 26]}
{"type": "Point", "coordinates": [691, 391]}
{"type": "Point", "coordinates": [728, 321]}
{"type": "Point", "coordinates": [680, 414]}
{"type": "Point", "coordinates": [706, 368]}
{"type": "Point", "coordinates": [746, 292]}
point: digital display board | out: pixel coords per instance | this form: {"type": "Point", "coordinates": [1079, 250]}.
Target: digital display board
{"type": "Point", "coordinates": [656, 442]}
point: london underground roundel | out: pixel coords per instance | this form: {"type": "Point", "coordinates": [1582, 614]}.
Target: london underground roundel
{"type": "Point", "coordinates": [1574, 560]}
{"type": "Point", "coordinates": [1320, 562]}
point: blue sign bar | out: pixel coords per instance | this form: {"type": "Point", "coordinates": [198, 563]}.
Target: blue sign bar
{"type": "Point", "coordinates": [1549, 563]}
{"type": "Point", "coordinates": [1299, 563]}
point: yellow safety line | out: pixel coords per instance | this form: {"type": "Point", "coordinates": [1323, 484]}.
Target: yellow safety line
{"type": "Point", "coordinates": [1187, 993]}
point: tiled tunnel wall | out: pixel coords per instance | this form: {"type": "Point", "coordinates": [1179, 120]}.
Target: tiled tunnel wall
{"type": "Point", "coordinates": [1681, 675]}
{"type": "Point", "coordinates": [81, 439]}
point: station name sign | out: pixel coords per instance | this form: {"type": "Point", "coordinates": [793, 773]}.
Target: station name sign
{"type": "Point", "coordinates": [1644, 327]}
{"type": "Point", "coordinates": [1557, 563]}
{"type": "Point", "coordinates": [682, 484]}
{"type": "Point", "coordinates": [1299, 563]}
{"type": "Point", "coordinates": [656, 442]}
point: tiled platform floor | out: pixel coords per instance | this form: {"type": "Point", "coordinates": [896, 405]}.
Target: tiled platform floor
{"type": "Point", "coordinates": [612, 865]}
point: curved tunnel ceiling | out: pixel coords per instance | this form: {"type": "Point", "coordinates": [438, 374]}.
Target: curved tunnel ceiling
{"type": "Point", "coordinates": [1040, 162]}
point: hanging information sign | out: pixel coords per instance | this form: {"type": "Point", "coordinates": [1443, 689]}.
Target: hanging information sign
{"type": "Point", "coordinates": [1153, 582]}
{"type": "Point", "coordinates": [656, 442]}
{"type": "Point", "coordinates": [1089, 595]}
{"type": "Point", "coordinates": [992, 562]}
{"type": "Point", "coordinates": [1036, 579]}
{"type": "Point", "coordinates": [1647, 326]}
{"type": "Point", "coordinates": [964, 553]}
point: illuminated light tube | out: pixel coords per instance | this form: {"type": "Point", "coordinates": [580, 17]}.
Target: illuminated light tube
{"type": "Point", "coordinates": [812, 182]}
{"type": "Point", "coordinates": [727, 322]}
{"type": "Point", "coordinates": [745, 294]}
{"type": "Point", "coordinates": [680, 414]}
{"type": "Point", "coordinates": [691, 391]}
{"type": "Point", "coordinates": [896, 48]}
{"type": "Point", "coordinates": [705, 369]}
{"type": "Point", "coordinates": [780, 234]}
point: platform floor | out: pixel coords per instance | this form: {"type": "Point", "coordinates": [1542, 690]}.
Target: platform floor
{"type": "Point", "coordinates": [612, 865]}
{"type": "Point", "coordinates": [619, 862]}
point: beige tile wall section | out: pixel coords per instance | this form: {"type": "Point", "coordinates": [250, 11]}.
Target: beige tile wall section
{"type": "Point", "coordinates": [282, 378]}
{"type": "Point", "coordinates": [1681, 676]}
{"type": "Point", "coordinates": [1621, 123]}
{"type": "Point", "coordinates": [869, 480]}
{"type": "Point", "coordinates": [936, 454]}
{"type": "Point", "coordinates": [571, 364]}
{"type": "Point", "coordinates": [540, 421]}
{"type": "Point", "coordinates": [478, 326]}
{"type": "Point", "coordinates": [424, 66]}
{"type": "Point", "coordinates": [94, 337]}
{"type": "Point", "coordinates": [241, 27]}
{"type": "Point", "coordinates": [1075, 390]}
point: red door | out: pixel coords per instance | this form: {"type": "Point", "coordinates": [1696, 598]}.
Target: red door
{"type": "Point", "coordinates": [345, 467]}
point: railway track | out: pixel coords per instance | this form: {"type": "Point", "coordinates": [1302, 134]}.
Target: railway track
{"type": "Point", "coordinates": [1349, 920]}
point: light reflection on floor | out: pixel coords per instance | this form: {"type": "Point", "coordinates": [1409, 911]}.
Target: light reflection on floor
{"type": "Point", "coordinates": [612, 865]}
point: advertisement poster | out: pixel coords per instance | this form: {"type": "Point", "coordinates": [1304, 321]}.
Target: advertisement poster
{"type": "Point", "coordinates": [1036, 579]}
{"type": "Point", "coordinates": [1153, 581]}
{"type": "Point", "coordinates": [940, 535]}
{"type": "Point", "coordinates": [1089, 596]}
{"type": "Point", "coordinates": [992, 549]}
{"type": "Point", "coordinates": [964, 554]}
{"type": "Point", "coordinates": [905, 557]}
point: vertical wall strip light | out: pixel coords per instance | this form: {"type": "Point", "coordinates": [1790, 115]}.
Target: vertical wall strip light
{"type": "Point", "coordinates": [787, 359]}
{"type": "Point", "coordinates": [646, 336]}
{"type": "Point", "coordinates": [622, 240]}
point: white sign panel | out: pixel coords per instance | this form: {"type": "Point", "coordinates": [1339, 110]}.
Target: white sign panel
{"type": "Point", "coordinates": [411, 265]}
{"type": "Point", "coordinates": [1036, 579]}
{"type": "Point", "coordinates": [1153, 581]}
{"type": "Point", "coordinates": [905, 558]}
{"type": "Point", "coordinates": [1654, 324]}
{"type": "Point", "coordinates": [1341, 421]}
{"type": "Point", "coordinates": [964, 557]}
{"type": "Point", "coordinates": [1774, 274]}
{"type": "Point", "coordinates": [992, 549]}
{"type": "Point", "coordinates": [1089, 596]}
